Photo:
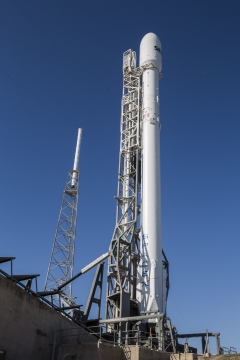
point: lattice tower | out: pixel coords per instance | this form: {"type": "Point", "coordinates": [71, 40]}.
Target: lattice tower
{"type": "Point", "coordinates": [61, 263]}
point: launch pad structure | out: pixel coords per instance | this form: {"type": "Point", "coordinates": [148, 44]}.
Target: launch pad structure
{"type": "Point", "coordinates": [61, 263]}
{"type": "Point", "coordinates": [137, 267]}
{"type": "Point", "coordinates": [138, 278]}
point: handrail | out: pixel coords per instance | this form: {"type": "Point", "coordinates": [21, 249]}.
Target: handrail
{"type": "Point", "coordinates": [40, 297]}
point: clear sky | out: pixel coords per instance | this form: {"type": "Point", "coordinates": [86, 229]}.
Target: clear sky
{"type": "Point", "coordinates": [60, 69]}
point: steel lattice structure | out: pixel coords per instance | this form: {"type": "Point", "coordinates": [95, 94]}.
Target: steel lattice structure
{"type": "Point", "coordinates": [61, 263]}
{"type": "Point", "coordinates": [124, 247]}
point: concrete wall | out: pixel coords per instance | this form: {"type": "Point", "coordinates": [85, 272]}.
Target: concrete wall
{"type": "Point", "coordinates": [184, 356]}
{"type": "Point", "coordinates": [28, 326]}
{"type": "Point", "coordinates": [145, 353]}
{"type": "Point", "coordinates": [29, 329]}
{"type": "Point", "coordinates": [90, 352]}
{"type": "Point", "coordinates": [106, 352]}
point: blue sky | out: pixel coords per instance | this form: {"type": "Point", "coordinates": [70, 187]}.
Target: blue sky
{"type": "Point", "coordinates": [60, 69]}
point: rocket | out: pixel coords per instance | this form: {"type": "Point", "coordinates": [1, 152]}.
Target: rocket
{"type": "Point", "coordinates": [150, 288]}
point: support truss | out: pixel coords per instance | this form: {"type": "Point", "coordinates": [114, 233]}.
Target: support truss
{"type": "Point", "coordinates": [62, 257]}
{"type": "Point", "coordinates": [124, 247]}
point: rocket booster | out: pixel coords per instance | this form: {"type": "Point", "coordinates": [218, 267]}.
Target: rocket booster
{"type": "Point", "coordinates": [150, 289]}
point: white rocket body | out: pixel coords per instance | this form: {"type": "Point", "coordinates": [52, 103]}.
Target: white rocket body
{"type": "Point", "coordinates": [150, 288]}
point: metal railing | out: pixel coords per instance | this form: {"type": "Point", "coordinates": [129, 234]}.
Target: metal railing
{"type": "Point", "coordinates": [39, 297]}
{"type": "Point", "coordinates": [231, 350]}
{"type": "Point", "coordinates": [103, 336]}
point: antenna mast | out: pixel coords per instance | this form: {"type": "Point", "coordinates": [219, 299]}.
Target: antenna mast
{"type": "Point", "coordinates": [61, 263]}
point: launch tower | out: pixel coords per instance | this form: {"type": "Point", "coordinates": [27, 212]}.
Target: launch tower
{"type": "Point", "coordinates": [138, 283]}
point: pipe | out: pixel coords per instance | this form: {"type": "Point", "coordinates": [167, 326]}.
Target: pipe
{"type": "Point", "coordinates": [76, 159]}
{"type": "Point", "coordinates": [69, 354]}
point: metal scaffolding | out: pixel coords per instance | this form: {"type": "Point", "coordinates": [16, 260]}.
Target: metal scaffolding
{"type": "Point", "coordinates": [124, 247]}
{"type": "Point", "coordinates": [61, 263]}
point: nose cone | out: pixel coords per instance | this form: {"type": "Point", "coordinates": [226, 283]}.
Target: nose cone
{"type": "Point", "coordinates": [150, 51]}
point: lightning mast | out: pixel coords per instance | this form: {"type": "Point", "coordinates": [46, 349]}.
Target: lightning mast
{"type": "Point", "coordinates": [61, 263]}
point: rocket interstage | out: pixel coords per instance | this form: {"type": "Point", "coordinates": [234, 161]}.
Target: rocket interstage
{"type": "Point", "coordinates": [150, 288]}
